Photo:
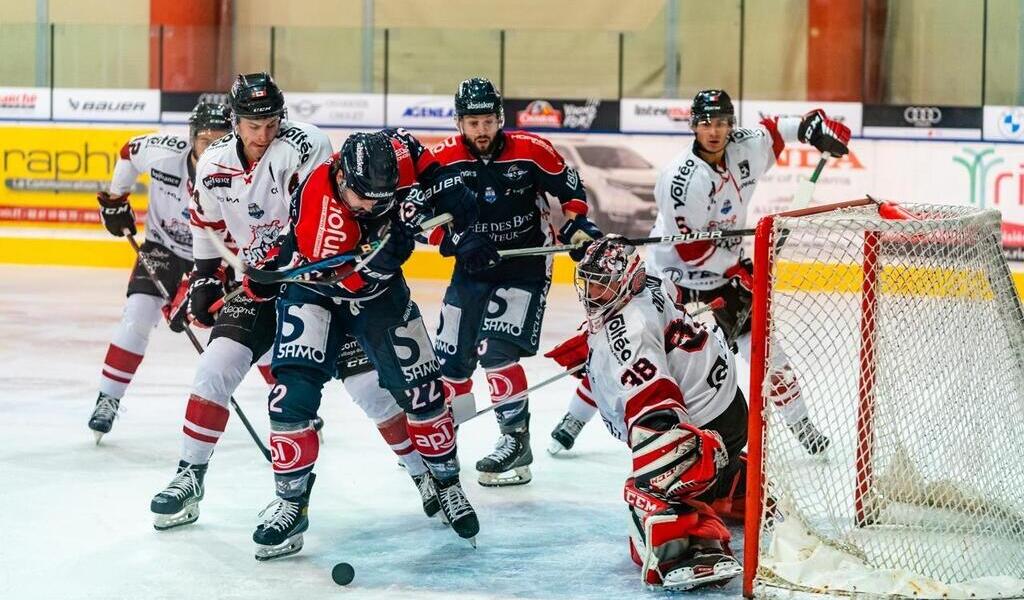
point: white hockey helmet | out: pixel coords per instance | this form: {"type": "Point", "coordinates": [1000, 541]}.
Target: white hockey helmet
{"type": "Point", "coordinates": [610, 273]}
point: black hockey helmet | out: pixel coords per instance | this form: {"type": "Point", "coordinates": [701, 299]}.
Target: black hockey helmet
{"type": "Point", "coordinates": [256, 96]}
{"type": "Point", "coordinates": [371, 170]}
{"type": "Point", "coordinates": [209, 116]}
{"type": "Point", "coordinates": [478, 96]}
{"type": "Point", "coordinates": [709, 104]}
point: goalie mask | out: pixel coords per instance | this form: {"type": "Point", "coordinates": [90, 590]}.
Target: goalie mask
{"type": "Point", "coordinates": [609, 275]}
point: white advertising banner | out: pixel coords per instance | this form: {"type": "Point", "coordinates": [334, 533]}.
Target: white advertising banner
{"type": "Point", "coordinates": [848, 113]}
{"type": "Point", "coordinates": [337, 110]}
{"type": "Point", "coordinates": [1004, 123]}
{"type": "Point", "coordinates": [654, 115]}
{"type": "Point", "coordinates": [83, 104]}
{"type": "Point", "coordinates": [424, 112]}
{"type": "Point", "coordinates": [24, 103]}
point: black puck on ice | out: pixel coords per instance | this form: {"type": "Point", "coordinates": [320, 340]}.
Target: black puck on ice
{"type": "Point", "coordinates": [343, 573]}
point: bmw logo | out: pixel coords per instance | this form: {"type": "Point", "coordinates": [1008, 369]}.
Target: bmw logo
{"type": "Point", "coordinates": [1011, 123]}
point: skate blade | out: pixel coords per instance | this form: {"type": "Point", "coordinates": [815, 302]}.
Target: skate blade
{"type": "Point", "coordinates": [556, 447]}
{"type": "Point", "coordinates": [516, 476]}
{"type": "Point", "coordinates": [187, 515]}
{"type": "Point", "coordinates": [290, 546]}
{"type": "Point", "coordinates": [684, 579]}
{"type": "Point", "coordinates": [98, 435]}
{"type": "Point", "coordinates": [472, 541]}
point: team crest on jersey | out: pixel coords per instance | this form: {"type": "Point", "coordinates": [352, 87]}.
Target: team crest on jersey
{"type": "Point", "coordinates": [726, 207]}
{"type": "Point", "coordinates": [490, 196]}
{"type": "Point", "coordinates": [255, 211]}
{"type": "Point", "coordinates": [514, 172]}
{"type": "Point", "coordinates": [263, 239]}
{"type": "Point", "coordinates": [744, 169]}
{"type": "Point", "coordinates": [178, 230]}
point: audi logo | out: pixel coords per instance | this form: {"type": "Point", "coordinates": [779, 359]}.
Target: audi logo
{"type": "Point", "coordinates": [922, 116]}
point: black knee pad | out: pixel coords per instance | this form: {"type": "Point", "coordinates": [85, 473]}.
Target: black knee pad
{"type": "Point", "coordinates": [496, 353]}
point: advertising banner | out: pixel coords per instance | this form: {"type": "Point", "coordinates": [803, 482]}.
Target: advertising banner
{"type": "Point", "coordinates": [574, 115]}
{"type": "Point", "coordinates": [848, 113]}
{"type": "Point", "coordinates": [654, 115]}
{"type": "Point", "coordinates": [82, 104]}
{"type": "Point", "coordinates": [922, 121]}
{"type": "Point", "coordinates": [175, 107]}
{"type": "Point", "coordinates": [53, 173]}
{"type": "Point", "coordinates": [29, 103]}
{"type": "Point", "coordinates": [424, 112]}
{"type": "Point", "coordinates": [337, 110]}
{"type": "Point", "coordinates": [1004, 123]}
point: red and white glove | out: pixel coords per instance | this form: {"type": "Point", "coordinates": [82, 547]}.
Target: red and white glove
{"type": "Point", "coordinates": [743, 274]}
{"type": "Point", "coordinates": [681, 462]}
{"type": "Point", "coordinates": [825, 134]}
{"type": "Point", "coordinates": [174, 311]}
{"type": "Point", "coordinates": [572, 353]}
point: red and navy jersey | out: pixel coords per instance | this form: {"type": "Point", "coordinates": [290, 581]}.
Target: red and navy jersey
{"type": "Point", "coordinates": [510, 189]}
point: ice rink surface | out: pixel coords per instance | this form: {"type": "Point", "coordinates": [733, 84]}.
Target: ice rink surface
{"type": "Point", "coordinates": [76, 517]}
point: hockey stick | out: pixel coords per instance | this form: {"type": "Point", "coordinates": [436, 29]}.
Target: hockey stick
{"type": "Point", "coordinates": [803, 194]}
{"type": "Point", "coordinates": [293, 274]}
{"type": "Point", "coordinates": [195, 341]}
{"type": "Point", "coordinates": [682, 238]}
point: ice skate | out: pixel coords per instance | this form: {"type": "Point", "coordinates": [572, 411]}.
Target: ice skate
{"type": "Point", "coordinates": [178, 503]}
{"type": "Point", "coordinates": [703, 568]}
{"type": "Point", "coordinates": [813, 440]}
{"type": "Point", "coordinates": [102, 419]}
{"type": "Point", "coordinates": [280, 533]}
{"type": "Point", "coordinates": [509, 463]}
{"type": "Point", "coordinates": [564, 435]}
{"type": "Point", "coordinates": [428, 493]}
{"type": "Point", "coordinates": [456, 510]}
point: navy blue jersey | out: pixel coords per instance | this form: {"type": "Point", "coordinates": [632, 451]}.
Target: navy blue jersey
{"type": "Point", "coordinates": [510, 191]}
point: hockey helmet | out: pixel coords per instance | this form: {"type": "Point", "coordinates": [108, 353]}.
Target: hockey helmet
{"type": "Point", "coordinates": [609, 274]}
{"type": "Point", "coordinates": [371, 170]}
{"type": "Point", "coordinates": [478, 96]}
{"type": "Point", "coordinates": [209, 116]}
{"type": "Point", "coordinates": [256, 96]}
{"type": "Point", "coordinates": [710, 104]}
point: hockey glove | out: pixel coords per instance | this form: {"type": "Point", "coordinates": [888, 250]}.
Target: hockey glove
{"type": "Point", "coordinates": [203, 291]}
{"type": "Point", "coordinates": [474, 251]}
{"type": "Point", "coordinates": [456, 200]}
{"type": "Point", "coordinates": [571, 353]}
{"type": "Point", "coordinates": [116, 213]}
{"type": "Point", "coordinates": [392, 255]}
{"type": "Point", "coordinates": [174, 311]}
{"type": "Point", "coordinates": [579, 230]}
{"type": "Point", "coordinates": [825, 134]}
{"type": "Point", "coordinates": [263, 292]}
{"type": "Point", "coordinates": [741, 275]}
{"type": "Point", "coordinates": [678, 462]}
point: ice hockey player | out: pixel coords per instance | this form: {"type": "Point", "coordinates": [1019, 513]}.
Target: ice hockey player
{"type": "Point", "coordinates": [705, 188]}
{"type": "Point", "coordinates": [170, 162]}
{"type": "Point", "coordinates": [362, 195]}
{"type": "Point", "coordinates": [666, 386]}
{"type": "Point", "coordinates": [494, 317]}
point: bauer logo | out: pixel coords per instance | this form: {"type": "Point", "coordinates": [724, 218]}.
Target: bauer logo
{"type": "Point", "coordinates": [106, 105]}
{"type": "Point", "coordinates": [414, 352]}
{"type": "Point", "coordinates": [304, 333]}
{"type": "Point", "coordinates": [506, 311]}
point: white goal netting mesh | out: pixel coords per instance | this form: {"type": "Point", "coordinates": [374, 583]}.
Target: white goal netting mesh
{"type": "Point", "coordinates": [906, 339]}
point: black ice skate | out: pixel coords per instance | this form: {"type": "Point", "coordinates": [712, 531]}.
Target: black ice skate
{"type": "Point", "coordinates": [280, 533]}
{"type": "Point", "coordinates": [702, 568]}
{"type": "Point", "coordinates": [456, 510]}
{"type": "Point", "coordinates": [813, 440]}
{"type": "Point", "coordinates": [178, 504]}
{"type": "Point", "coordinates": [564, 434]}
{"type": "Point", "coordinates": [509, 464]}
{"type": "Point", "coordinates": [428, 493]}
{"type": "Point", "coordinates": [102, 419]}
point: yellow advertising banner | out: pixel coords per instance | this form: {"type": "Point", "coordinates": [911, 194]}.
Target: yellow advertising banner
{"type": "Point", "coordinates": [51, 174]}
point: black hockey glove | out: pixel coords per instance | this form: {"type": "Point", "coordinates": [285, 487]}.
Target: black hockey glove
{"type": "Point", "coordinates": [116, 213]}
{"type": "Point", "coordinates": [395, 252]}
{"type": "Point", "coordinates": [204, 289]}
{"type": "Point", "coordinates": [474, 251]}
{"type": "Point", "coordinates": [579, 230]}
{"type": "Point", "coordinates": [825, 134]}
{"type": "Point", "coordinates": [457, 201]}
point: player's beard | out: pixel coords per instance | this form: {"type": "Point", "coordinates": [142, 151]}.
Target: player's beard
{"type": "Point", "coordinates": [482, 145]}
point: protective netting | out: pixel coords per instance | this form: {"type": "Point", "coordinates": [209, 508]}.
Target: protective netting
{"type": "Point", "coordinates": [906, 338]}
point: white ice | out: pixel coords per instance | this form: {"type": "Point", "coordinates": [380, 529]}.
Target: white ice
{"type": "Point", "coordinates": [75, 516]}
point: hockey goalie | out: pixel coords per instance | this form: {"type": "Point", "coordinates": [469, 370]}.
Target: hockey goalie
{"type": "Point", "coordinates": [665, 384]}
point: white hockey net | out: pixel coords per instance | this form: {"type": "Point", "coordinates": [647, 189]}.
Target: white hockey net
{"type": "Point", "coordinates": [906, 338]}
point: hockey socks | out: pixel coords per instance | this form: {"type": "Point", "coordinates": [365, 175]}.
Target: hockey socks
{"type": "Point", "coordinates": [204, 424]}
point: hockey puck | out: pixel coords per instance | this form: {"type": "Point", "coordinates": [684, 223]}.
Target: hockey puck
{"type": "Point", "coordinates": [343, 573]}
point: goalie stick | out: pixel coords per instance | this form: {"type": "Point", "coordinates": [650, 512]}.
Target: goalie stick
{"type": "Point", "coordinates": [195, 341]}
{"type": "Point", "coordinates": [682, 238]}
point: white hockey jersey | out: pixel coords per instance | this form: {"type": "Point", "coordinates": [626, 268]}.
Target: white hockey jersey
{"type": "Point", "coordinates": [693, 195]}
{"type": "Point", "coordinates": [650, 348]}
{"type": "Point", "coordinates": [166, 159]}
{"type": "Point", "coordinates": [251, 201]}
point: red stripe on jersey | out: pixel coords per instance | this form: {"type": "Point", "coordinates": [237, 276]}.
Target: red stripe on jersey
{"type": "Point", "coordinates": [125, 151]}
{"type": "Point", "coordinates": [695, 253]}
{"type": "Point", "coordinates": [575, 205]}
{"type": "Point", "coordinates": [449, 151]}
{"type": "Point", "coordinates": [661, 393]}
{"type": "Point", "coordinates": [121, 359]}
{"type": "Point", "coordinates": [521, 145]}
{"type": "Point", "coordinates": [772, 125]}
{"type": "Point", "coordinates": [198, 221]}
{"type": "Point", "coordinates": [324, 226]}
